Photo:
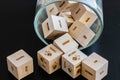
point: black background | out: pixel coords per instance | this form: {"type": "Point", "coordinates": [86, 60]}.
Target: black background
{"type": "Point", "coordinates": [17, 32]}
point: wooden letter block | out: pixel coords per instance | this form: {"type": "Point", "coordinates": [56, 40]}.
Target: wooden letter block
{"type": "Point", "coordinates": [94, 67]}
{"type": "Point", "coordinates": [54, 27]}
{"type": "Point", "coordinates": [84, 14]}
{"type": "Point", "coordinates": [49, 58]}
{"type": "Point", "coordinates": [65, 43]}
{"type": "Point", "coordinates": [71, 62]}
{"type": "Point", "coordinates": [68, 17]}
{"type": "Point", "coordinates": [52, 10]}
{"type": "Point", "coordinates": [81, 33]}
{"type": "Point", "coordinates": [20, 64]}
{"type": "Point", "coordinates": [68, 5]}
{"type": "Point", "coordinates": [61, 5]}
{"type": "Point", "coordinates": [56, 8]}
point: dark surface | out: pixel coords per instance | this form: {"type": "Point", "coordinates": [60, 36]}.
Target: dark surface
{"type": "Point", "coordinates": [17, 32]}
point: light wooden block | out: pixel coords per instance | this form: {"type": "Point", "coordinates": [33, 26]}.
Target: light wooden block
{"type": "Point", "coordinates": [71, 62]}
{"type": "Point", "coordinates": [56, 8]}
{"type": "Point", "coordinates": [61, 5]}
{"type": "Point", "coordinates": [68, 5]}
{"type": "Point", "coordinates": [68, 17]}
{"type": "Point", "coordinates": [54, 27]}
{"type": "Point", "coordinates": [94, 67]}
{"type": "Point", "coordinates": [65, 43]}
{"type": "Point", "coordinates": [20, 64]}
{"type": "Point", "coordinates": [52, 10]}
{"type": "Point", "coordinates": [49, 58]}
{"type": "Point", "coordinates": [81, 33]}
{"type": "Point", "coordinates": [84, 14]}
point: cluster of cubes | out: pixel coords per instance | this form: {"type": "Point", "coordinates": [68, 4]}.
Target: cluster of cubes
{"type": "Point", "coordinates": [69, 17]}
{"type": "Point", "coordinates": [68, 22]}
{"type": "Point", "coordinates": [63, 53]}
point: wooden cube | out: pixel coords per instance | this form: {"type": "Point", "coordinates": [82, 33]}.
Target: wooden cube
{"type": "Point", "coordinates": [71, 62]}
{"type": "Point", "coordinates": [52, 9]}
{"type": "Point", "coordinates": [81, 33]}
{"type": "Point", "coordinates": [94, 67]}
{"type": "Point", "coordinates": [84, 14]}
{"type": "Point", "coordinates": [54, 27]}
{"type": "Point", "coordinates": [68, 5]}
{"type": "Point", "coordinates": [49, 58]}
{"type": "Point", "coordinates": [65, 43]}
{"type": "Point", "coordinates": [61, 5]}
{"type": "Point", "coordinates": [20, 64]}
{"type": "Point", "coordinates": [68, 17]}
{"type": "Point", "coordinates": [56, 8]}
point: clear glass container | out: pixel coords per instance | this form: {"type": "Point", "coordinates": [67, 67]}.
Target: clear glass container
{"type": "Point", "coordinates": [41, 15]}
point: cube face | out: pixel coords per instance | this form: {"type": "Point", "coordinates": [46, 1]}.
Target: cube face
{"type": "Point", "coordinates": [85, 37]}
{"type": "Point", "coordinates": [61, 4]}
{"type": "Point", "coordinates": [47, 30]}
{"type": "Point", "coordinates": [25, 69]}
{"type": "Point", "coordinates": [43, 63]}
{"type": "Point", "coordinates": [88, 72]}
{"type": "Point", "coordinates": [88, 18]}
{"type": "Point", "coordinates": [20, 64]}
{"type": "Point", "coordinates": [54, 26]}
{"type": "Point", "coordinates": [71, 62]}
{"type": "Point", "coordinates": [77, 11]}
{"type": "Point", "coordinates": [65, 43]}
{"type": "Point", "coordinates": [52, 10]}
{"type": "Point", "coordinates": [12, 69]}
{"type": "Point", "coordinates": [67, 67]}
{"type": "Point", "coordinates": [84, 14]}
{"type": "Point", "coordinates": [49, 58]}
{"type": "Point", "coordinates": [102, 72]}
{"type": "Point", "coordinates": [81, 33]}
{"type": "Point", "coordinates": [55, 64]}
{"type": "Point", "coordinates": [76, 29]}
{"type": "Point", "coordinates": [58, 23]}
{"type": "Point", "coordinates": [68, 6]}
{"type": "Point", "coordinates": [94, 67]}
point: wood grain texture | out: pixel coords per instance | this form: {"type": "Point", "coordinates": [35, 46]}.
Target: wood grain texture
{"type": "Point", "coordinates": [20, 64]}
{"type": "Point", "coordinates": [71, 62]}
{"type": "Point", "coordinates": [94, 67]}
{"type": "Point", "coordinates": [49, 58]}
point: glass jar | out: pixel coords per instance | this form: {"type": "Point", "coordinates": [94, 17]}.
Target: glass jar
{"type": "Point", "coordinates": [41, 15]}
